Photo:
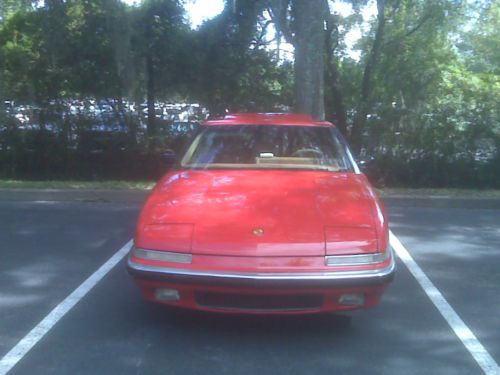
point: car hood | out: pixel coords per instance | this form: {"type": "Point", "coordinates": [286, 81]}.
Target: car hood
{"type": "Point", "coordinates": [260, 213]}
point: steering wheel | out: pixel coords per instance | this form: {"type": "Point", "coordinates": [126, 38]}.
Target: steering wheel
{"type": "Point", "coordinates": [305, 152]}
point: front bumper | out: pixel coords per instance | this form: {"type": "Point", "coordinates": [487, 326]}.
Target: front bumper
{"type": "Point", "coordinates": [330, 285]}
{"type": "Point", "coordinates": [324, 279]}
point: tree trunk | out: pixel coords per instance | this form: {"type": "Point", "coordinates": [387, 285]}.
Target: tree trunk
{"type": "Point", "coordinates": [309, 43]}
{"type": "Point", "coordinates": [366, 86]}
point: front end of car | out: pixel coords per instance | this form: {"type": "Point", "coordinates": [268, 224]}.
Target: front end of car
{"type": "Point", "coordinates": [263, 219]}
{"type": "Point", "coordinates": [262, 285]}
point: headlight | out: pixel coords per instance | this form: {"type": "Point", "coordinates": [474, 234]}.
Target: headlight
{"type": "Point", "coordinates": [358, 259]}
{"type": "Point", "coordinates": [163, 256]}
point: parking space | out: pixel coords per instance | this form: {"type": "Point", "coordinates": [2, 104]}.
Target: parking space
{"type": "Point", "coordinates": [50, 248]}
{"type": "Point", "coordinates": [460, 250]}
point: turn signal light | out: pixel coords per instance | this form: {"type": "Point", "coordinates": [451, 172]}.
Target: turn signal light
{"type": "Point", "coordinates": [358, 259]}
{"type": "Point", "coordinates": [163, 256]}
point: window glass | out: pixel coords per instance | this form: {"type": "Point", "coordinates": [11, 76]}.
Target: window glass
{"type": "Point", "coordinates": [267, 146]}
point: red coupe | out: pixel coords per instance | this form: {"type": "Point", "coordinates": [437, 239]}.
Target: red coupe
{"type": "Point", "coordinates": [264, 213]}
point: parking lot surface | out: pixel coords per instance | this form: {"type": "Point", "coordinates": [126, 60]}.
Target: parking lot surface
{"type": "Point", "coordinates": [50, 247]}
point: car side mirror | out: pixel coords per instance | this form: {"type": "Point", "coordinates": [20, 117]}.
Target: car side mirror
{"type": "Point", "coordinates": [365, 162]}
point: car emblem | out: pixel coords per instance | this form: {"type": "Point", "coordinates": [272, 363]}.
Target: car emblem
{"type": "Point", "coordinates": [259, 232]}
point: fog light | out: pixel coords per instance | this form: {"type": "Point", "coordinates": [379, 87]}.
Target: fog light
{"type": "Point", "coordinates": [354, 299]}
{"type": "Point", "coordinates": [167, 295]}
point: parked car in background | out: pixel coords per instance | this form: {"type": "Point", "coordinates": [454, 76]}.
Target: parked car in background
{"type": "Point", "coordinates": [264, 213]}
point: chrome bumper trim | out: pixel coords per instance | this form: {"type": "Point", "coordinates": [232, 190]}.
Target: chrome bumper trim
{"type": "Point", "coordinates": [378, 276]}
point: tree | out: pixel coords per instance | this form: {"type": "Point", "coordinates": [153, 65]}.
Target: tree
{"type": "Point", "coordinates": [62, 49]}
{"type": "Point", "coordinates": [8, 7]}
{"type": "Point", "coordinates": [309, 43]}
{"type": "Point", "coordinates": [88, 56]}
{"type": "Point", "coordinates": [335, 96]}
{"type": "Point", "coordinates": [158, 26]}
{"type": "Point", "coordinates": [23, 57]}
{"type": "Point", "coordinates": [366, 85]}
{"type": "Point", "coordinates": [480, 45]}
{"type": "Point", "coordinates": [235, 70]}
{"type": "Point", "coordinates": [302, 22]}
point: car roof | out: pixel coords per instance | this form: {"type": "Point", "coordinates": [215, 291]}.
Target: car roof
{"type": "Point", "coordinates": [267, 119]}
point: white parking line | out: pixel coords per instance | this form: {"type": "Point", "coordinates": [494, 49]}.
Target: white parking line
{"type": "Point", "coordinates": [36, 334]}
{"type": "Point", "coordinates": [478, 351]}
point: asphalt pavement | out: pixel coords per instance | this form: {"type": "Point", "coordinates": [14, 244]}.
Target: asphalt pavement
{"type": "Point", "coordinates": [50, 246]}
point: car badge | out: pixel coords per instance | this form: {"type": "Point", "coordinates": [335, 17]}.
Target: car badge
{"type": "Point", "coordinates": [259, 232]}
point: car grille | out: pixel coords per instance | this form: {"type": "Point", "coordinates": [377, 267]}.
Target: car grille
{"type": "Point", "coordinates": [226, 301]}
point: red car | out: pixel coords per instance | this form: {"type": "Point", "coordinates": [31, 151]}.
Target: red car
{"type": "Point", "coordinates": [264, 213]}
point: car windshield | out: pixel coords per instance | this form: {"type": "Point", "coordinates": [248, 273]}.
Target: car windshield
{"type": "Point", "coordinates": [267, 147]}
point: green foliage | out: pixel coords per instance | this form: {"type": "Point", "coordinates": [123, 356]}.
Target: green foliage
{"type": "Point", "coordinates": [62, 51]}
{"type": "Point", "coordinates": [22, 56]}
{"type": "Point", "coordinates": [9, 7]}
{"type": "Point", "coordinates": [159, 29]}
{"type": "Point", "coordinates": [434, 118]}
{"type": "Point", "coordinates": [481, 44]}
{"type": "Point", "coordinates": [88, 57]}
{"type": "Point", "coordinates": [231, 73]}
{"type": "Point", "coordinates": [433, 114]}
